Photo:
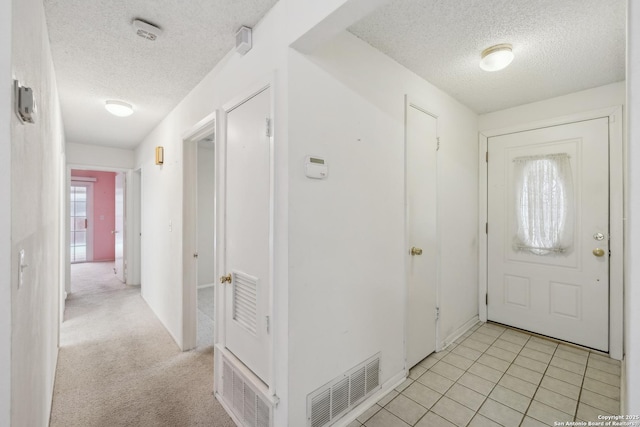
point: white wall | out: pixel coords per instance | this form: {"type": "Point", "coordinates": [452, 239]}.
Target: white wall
{"type": "Point", "coordinates": [162, 185]}
{"type": "Point", "coordinates": [98, 156]}
{"type": "Point", "coordinates": [591, 99]}
{"type": "Point", "coordinates": [346, 233]}
{"type": "Point", "coordinates": [631, 405]}
{"type": "Point", "coordinates": [36, 151]}
{"type": "Point", "coordinates": [206, 213]}
{"type": "Point", "coordinates": [5, 212]}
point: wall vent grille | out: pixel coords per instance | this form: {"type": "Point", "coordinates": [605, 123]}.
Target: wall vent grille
{"type": "Point", "coordinates": [245, 300]}
{"type": "Point", "coordinates": [331, 401]}
{"type": "Point", "coordinates": [245, 401]}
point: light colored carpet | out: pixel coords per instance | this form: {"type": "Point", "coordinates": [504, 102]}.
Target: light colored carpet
{"type": "Point", "coordinates": [118, 366]}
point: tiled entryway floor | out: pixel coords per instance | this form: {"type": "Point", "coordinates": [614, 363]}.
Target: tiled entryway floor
{"type": "Point", "coordinates": [494, 376]}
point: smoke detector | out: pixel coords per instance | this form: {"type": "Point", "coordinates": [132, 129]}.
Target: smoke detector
{"type": "Point", "coordinates": [146, 30]}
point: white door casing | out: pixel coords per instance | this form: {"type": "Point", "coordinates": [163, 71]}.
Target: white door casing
{"type": "Point", "coordinates": [562, 293]}
{"type": "Point", "coordinates": [248, 232]}
{"type": "Point", "coordinates": [119, 227]}
{"type": "Point", "coordinates": [421, 172]}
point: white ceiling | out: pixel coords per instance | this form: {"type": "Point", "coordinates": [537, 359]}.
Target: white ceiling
{"type": "Point", "coordinates": [98, 56]}
{"type": "Point", "coordinates": [560, 46]}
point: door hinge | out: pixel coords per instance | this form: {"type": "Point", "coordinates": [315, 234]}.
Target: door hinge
{"type": "Point", "coordinates": [486, 298]}
{"type": "Point", "coordinates": [486, 157]}
{"type": "Point", "coordinates": [268, 127]}
{"type": "Point", "coordinates": [437, 313]}
{"type": "Point", "coordinates": [268, 325]}
{"type": "Point", "coordinates": [486, 228]}
{"type": "Point", "coordinates": [438, 144]}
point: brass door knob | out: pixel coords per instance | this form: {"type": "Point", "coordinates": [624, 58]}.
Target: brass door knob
{"type": "Point", "coordinates": [598, 252]}
{"type": "Point", "coordinates": [225, 279]}
{"type": "Point", "coordinates": [416, 251]}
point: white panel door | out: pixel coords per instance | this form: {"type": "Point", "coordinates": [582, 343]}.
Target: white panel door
{"type": "Point", "coordinates": [548, 250]}
{"type": "Point", "coordinates": [247, 237]}
{"type": "Point", "coordinates": [118, 231]}
{"type": "Point", "coordinates": [421, 137]}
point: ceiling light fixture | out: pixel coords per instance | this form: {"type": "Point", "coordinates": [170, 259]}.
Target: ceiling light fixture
{"type": "Point", "coordinates": [496, 57]}
{"type": "Point", "coordinates": [119, 108]}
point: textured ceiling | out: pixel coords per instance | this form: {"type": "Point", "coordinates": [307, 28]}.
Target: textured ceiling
{"type": "Point", "coordinates": [560, 46]}
{"type": "Point", "coordinates": [98, 56]}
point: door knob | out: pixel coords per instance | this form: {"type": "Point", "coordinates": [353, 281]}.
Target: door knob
{"type": "Point", "coordinates": [598, 252]}
{"type": "Point", "coordinates": [416, 251]}
{"type": "Point", "coordinates": [225, 279]}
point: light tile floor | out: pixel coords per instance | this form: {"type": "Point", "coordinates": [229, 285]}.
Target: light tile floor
{"type": "Point", "coordinates": [495, 376]}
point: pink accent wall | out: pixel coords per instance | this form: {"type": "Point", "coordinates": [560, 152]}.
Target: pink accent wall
{"type": "Point", "coordinates": [104, 213]}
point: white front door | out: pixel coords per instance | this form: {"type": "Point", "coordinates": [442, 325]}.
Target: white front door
{"type": "Point", "coordinates": [118, 231]}
{"type": "Point", "coordinates": [248, 233]}
{"type": "Point", "coordinates": [548, 231]}
{"type": "Point", "coordinates": [421, 140]}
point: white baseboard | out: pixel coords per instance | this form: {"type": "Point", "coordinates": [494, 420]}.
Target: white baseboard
{"type": "Point", "coordinates": [459, 332]}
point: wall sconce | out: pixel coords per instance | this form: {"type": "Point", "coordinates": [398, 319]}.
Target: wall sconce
{"type": "Point", "coordinates": [159, 155]}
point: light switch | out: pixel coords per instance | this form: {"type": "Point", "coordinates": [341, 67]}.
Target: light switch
{"type": "Point", "coordinates": [170, 226]}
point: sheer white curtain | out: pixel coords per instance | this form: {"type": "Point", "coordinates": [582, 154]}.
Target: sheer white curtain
{"type": "Point", "coordinates": [544, 204]}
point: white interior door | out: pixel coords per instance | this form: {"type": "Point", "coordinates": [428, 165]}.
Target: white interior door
{"type": "Point", "coordinates": [248, 228]}
{"type": "Point", "coordinates": [119, 268]}
{"type": "Point", "coordinates": [548, 252]}
{"type": "Point", "coordinates": [421, 136]}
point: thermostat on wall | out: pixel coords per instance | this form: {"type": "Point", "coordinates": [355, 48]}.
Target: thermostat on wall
{"type": "Point", "coordinates": [316, 167]}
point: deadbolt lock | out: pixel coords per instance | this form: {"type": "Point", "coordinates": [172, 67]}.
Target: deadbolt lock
{"type": "Point", "coordinates": [416, 251]}
{"type": "Point", "coordinates": [225, 279]}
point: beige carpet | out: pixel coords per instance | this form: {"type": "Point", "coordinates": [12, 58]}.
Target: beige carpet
{"type": "Point", "coordinates": [118, 366]}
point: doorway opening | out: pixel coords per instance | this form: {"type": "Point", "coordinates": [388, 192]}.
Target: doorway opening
{"type": "Point", "coordinates": [199, 213]}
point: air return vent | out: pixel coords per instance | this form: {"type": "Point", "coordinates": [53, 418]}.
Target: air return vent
{"type": "Point", "coordinates": [245, 401]}
{"type": "Point", "coordinates": [333, 400]}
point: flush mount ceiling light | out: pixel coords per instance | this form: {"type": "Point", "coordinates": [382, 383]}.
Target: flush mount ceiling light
{"type": "Point", "coordinates": [118, 108]}
{"type": "Point", "coordinates": [496, 57]}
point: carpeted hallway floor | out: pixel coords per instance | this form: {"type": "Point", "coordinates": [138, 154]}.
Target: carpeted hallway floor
{"type": "Point", "coordinates": [118, 366]}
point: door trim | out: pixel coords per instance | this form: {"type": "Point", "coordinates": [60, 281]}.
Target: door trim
{"type": "Point", "coordinates": [204, 127]}
{"type": "Point", "coordinates": [616, 212]}
{"type": "Point", "coordinates": [414, 102]}
{"type": "Point", "coordinates": [265, 83]}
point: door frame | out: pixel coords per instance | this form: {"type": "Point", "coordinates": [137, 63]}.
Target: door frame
{"type": "Point", "coordinates": [268, 391]}
{"type": "Point", "coordinates": [616, 212]}
{"type": "Point", "coordinates": [190, 138]}
{"type": "Point", "coordinates": [417, 103]}
{"type": "Point", "coordinates": [66, 283]}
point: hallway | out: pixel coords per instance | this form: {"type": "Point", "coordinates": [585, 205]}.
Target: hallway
{"type": "Point", "coordinates": [118, 365]}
